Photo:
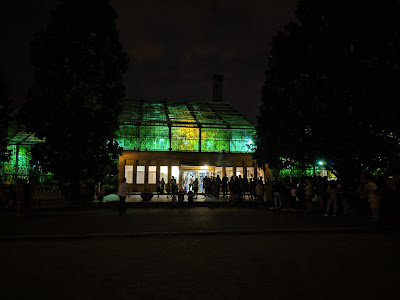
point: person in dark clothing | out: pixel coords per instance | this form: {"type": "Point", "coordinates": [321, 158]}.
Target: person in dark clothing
{"type": "Point", "coordinates": [207, 186]}
{"type": "Point", "coordinates": [174, 187]}
{"type": "Point", "coordinates": [224, 184]}
{"type": "Point", "coordinates": [162, 185]}
{"type": "Point", "coordinates": [260, 193]}
{"type": "Point", "coordinates": [195, 187]}
{"type": "Point", "coordinates": [242, 187]}
{"type": "Point", "coordinates": [232, 188]}
{"type": "Point", "coordinates": [181, 195]}
{"type": "Point", "coordinates": [245, 186]}
{"type": "Point", "coordinates": [238, 188]}
{"type": "Point", "coordinates": [217, 186]}
{"type": "Point", "coordinates": [301, 194]}
{"type": "Point", "coordinates": [158, 187]}
{"type": "Point", "coordinates": [252, 188]}
{"type": "Point", "coordinates": [277, 188]}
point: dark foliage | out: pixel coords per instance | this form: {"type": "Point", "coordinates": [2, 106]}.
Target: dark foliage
{"type": "Point", "coordinates": [332, 87]}
{"type": "Point", "coordinates": [76, 97]}
{"type": "Point", "coordinates": [4, 119]}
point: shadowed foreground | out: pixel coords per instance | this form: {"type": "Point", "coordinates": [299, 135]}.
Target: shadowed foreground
{"type": "Point", "coordinates": [259, 266]}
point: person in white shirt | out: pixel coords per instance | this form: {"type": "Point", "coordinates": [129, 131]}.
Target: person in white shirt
{"type": "Point", "coordinates": [123, 190]}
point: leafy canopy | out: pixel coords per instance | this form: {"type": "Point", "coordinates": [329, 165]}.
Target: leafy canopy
{"type": "Point", "coordinates": [76, 97]}
{"type": "Point", "coordinates": [332, 86]}
{"type": "Point", "coordinates": [4, 119]}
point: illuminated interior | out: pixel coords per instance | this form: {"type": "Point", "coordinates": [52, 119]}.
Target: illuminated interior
{"type": "Point", "coordinates": [187, 127]}
{"type": "Point", "coordinates": [19, 166]}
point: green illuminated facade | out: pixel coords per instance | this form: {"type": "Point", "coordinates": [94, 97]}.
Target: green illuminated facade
{"type": "Point", "coordinates": [19, 166]}
{"type": "Point", "coordinates": [184, 127]}
{"type": "Point", "coordinates": [162, 134]}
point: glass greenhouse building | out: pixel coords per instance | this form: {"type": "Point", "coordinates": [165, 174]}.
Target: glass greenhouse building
{"type": "Point", "coordinates": [162, 139]}
{"type": "Point", "coordinates": [184, 127]}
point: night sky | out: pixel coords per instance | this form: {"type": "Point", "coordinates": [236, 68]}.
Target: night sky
{"type": "Point", "coordinates": [174, 46]}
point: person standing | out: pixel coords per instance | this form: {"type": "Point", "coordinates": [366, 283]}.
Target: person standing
{"type": "Point", "coordinates": [260, 193]}
{"type": "Point", "coordinates": [158, 187]}
{"type": "Point", "coordinates": [277, 194]}
{"type": "Point", "coordinates": [162, 185]}
{"type": "Point", "coordinates": [268, 192]}
{"type": "Point", "coordinates": [196, 187]}
{"type": "Point", "coordinates": [217, 186]}
{"type": "Point", "coordinates": [309, 193]}
{"type": "Point", "coordinates": [301, 194]}
{"type": "Point", "coordinates": [224, 186]}
{"type": "Point", "coordinates": [252, 185]}
{"type": "Point", "coordinates": [174, 188]}
{"type": "Point", "coordinates": [375, 199]}
{"type": "Point", "coordinates": [333, 198]}
{"type": "Point", "coordinates": [123, 190]}
{"type": "Point", "coordinates": [191, 180]}
{"type": "Point", "coordinates": [293, 195]}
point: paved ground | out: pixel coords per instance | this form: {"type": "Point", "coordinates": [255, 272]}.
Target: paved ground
{"type": "Point", "coordinates": [196, 253]}
{"type": "Point", "coordinates": [106, 221]}
{"type": "Point", "coordinates": [165, 198]}
{"type": "Point", "coordinates": [252, 266]}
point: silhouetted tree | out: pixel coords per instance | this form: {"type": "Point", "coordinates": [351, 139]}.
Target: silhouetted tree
{"type": "Point", "coordinates": [76, 97]}
{"type": "Point", "coordinates": [331, 88]}
{"type": "Point", "coordinates": [4, 119]}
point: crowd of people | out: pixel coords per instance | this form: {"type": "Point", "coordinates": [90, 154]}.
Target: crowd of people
{"type": "Point", "coordinates": [364, 195]}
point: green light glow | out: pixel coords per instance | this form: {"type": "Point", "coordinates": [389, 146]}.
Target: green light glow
{"type": "Point", "coordinates": [185, 138]}
{"type": "Point", "coordinates": [214, 127]}
{"type": "Point", "coordinates": [18, 166]}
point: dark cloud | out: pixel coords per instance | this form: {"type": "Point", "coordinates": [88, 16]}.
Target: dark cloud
{"type": "Point", "coordinates": [174, 46]}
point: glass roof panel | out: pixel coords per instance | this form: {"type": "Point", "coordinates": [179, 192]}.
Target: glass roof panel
{"type": "Point", "coordinates": [209, 114]}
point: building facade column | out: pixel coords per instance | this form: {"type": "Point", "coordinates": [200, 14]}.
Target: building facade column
{"type": "Point", "coordinates": [121, 168]}
{"type": "Point", "coordinates": [158, 171]}
{"type": "Point", "coordinates": [169, 173]}
{"type": "Point", "coordinates": [200, 139]}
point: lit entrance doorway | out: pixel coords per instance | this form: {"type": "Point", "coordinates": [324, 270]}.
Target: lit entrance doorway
{"type": "Point", "coordinates": [199, 172]}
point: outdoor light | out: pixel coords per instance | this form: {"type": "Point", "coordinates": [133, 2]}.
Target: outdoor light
{"type": "Point", "coordinates": [320, 163]}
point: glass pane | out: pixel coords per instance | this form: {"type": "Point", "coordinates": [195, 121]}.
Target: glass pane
{"type": "Point", "coordinates": [129, 174]}
{"type": "Point", "coordinates": [154, 138]}
{"type": "Point", "coordinates": [152, 174]}
{"type": "Point", "coordinates": [150, 138]}
{"type": "Point", "coordinates": [164, 173]}
{"type": "Point", "coordinates": [185, 139]}
{"type": "Point", "coordinates": [140, 174]}
{"type": "Point", "coordinates": [260, 173]}
{"type": "Point", "coordinates": [175, 173]}
{"type": "Point", "coordinates": [229, 172]}
{"type": "Point", "coordinates": [250, 172]}
{"type": "Point", "coordinates": [239, 171]}
{"type": "Point", "coordinates": [128, 137]}
{"type": "Point", "coordinates": [214, 139]}
{"type": "Point", "coordinates": [242, 140]}
{"type": "Point", "coordinates": [218, 171]}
